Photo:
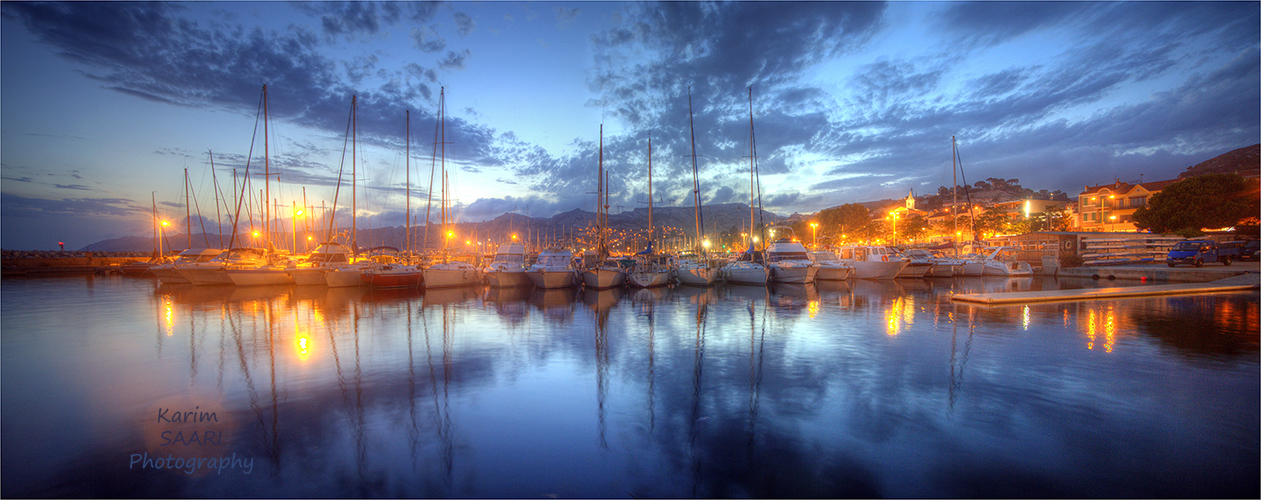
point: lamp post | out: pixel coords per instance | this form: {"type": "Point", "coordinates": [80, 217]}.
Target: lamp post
{"type": "Point", "coordinates": [294, 222]}
{"type": "Point", "coordinates": [894, 216]}
{"type": "Point", "coordinates": [161, 235]}
{"type": "Point", "coordinates": [814, 234]}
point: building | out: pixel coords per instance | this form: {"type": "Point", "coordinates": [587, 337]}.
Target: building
{"type": "Point", "coordinates": [1111, 207]}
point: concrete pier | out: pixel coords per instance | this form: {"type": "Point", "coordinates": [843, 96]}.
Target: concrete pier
{"type": "Point", "coordinates": [1242, 282]}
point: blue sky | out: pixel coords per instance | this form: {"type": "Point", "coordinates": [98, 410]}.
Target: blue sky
{"type": "Point", "coordinates": [103, 105]}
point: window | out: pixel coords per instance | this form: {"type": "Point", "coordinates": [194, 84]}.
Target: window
{"type": "Point", "coordinates": [1138, 201]}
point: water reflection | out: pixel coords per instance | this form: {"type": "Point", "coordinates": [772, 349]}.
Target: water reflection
{"type": "Point", "coordinates": [860, 388]}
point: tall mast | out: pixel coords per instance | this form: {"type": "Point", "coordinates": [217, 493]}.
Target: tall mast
{"type": "Point", "coordinates": [600, 206]}
{"type": "Point", "coordinates": [407, 219]}
{"type": "Point", "coordinates": [354, 175]}
{"type": "Point", "coordinates": [215, 179]}
{"type": "Point", "coordinates": [650, 191]}
{"type": "Point", "coordinates": [442, 162]}
{"type": "Point", "coordinates": [751, 219]}
{"type": "Point", "coordinates": [188, 216]}
{"type": "Point", "coordinates": [266, 172]}
{"type": "Point", "coordinates": [696, 183]}
{"type": "Point", "coordinates": [954, 180]}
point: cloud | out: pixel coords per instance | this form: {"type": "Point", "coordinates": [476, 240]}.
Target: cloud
{"type": "Point", "coordinates": [455, 60]}
{"type": "Point", "coordinates": [565, 17]}
{"type": "Point", "coordinates": [79, 187]}
{"type": "Point", "coordinates": [427, 39]}
{"type": "Point", "coordinates": [355, 18]}
{"type": "Point", "coordinates": [463, 22]}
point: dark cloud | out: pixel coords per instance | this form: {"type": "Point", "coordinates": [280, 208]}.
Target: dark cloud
{"type": "Point", "coordinates": [463, 22]}
{"type": "Point", "coordinates": [565, 16]}
{"type": "Point", "coordinates": [79, 187]}
{"type": "Point", "coordinates": [366, 18]}
{"type": "Point", "coordinates": [20, 206]}
{"type": "Point", "coordinates": [427, 39]}
{"type": "Point", "coordinates": [454, 60]}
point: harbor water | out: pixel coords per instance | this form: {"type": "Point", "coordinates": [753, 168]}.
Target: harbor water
{"type": "Point", "coordinates": [118, 387]}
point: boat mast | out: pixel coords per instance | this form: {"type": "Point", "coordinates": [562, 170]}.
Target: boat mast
{"type": "Point", "coordinates": [354, 176]}
{"type": "Point", "coordinates": [215, 179]}
{"type": "Point", "coordinates": [650, 192]}
{"type": "Point", "coordinates": [266, 172]}
{"type": "Point", "coordinates": [188, 216]}
{"type": "Point", "coordinates": [751, 219]}
{"type": "Point", "coordinates": [407, 219]}
{"type": "Point", "coordinates": [601, 250]}
{"type": "Point", "coordinates": [696, 183]}
{"type": "Point", "coordinates": [954, 181]}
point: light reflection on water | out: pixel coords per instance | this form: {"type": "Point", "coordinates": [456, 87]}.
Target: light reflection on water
{"type": "Point", "coordinates": [861, 388]}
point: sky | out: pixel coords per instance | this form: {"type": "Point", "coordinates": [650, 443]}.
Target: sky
{"type": "Point", "coordinates": [104, 105]}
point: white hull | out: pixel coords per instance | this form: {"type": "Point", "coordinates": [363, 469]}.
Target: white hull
{"type": "Point", "coordinates": [602, 278]}
{"type": "Point", "coordinates": [796, 274]}
{"type": "Point", "coordinates": [205, 275]}
{"type": "Point", "coordinates": [973, 269]}
{"type": "Point", "coordinates": [698, 276]}
{"type": "Point", "coordinates": [944, 270]}
{"type": "Point", "coordinates": [915, 270]}
{"type": "Point", "coordinates": [344, 277]}
{"type": "Point", "coordinates": [311, 276]}
{"type": "Point", "coordinates": [649, 279]}
{"type": "Point", "coordinates": [1000, 268]}
{"type": "Point", "coordinates": [869, 270]}
{"type": "Point", "coordinates": [259, 277]}
{"type": "Point", "coordinates": [507, 278]}
{"type": "Point", "coordinates": [168, 274]}
{"type": "Point", "coordinates": [553, 279]}
{"type": "Point", "coordinates": [748, 274]}
{"type": "Point", "coordinates": [833, 273]}
{"type": "Point", "coordinates": [438, 277]}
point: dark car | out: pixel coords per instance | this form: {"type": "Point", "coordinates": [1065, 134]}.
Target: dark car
{"type": "Point", "coordinates": [1249, 250]}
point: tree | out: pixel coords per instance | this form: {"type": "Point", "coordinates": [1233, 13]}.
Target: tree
{"type": "Point", "coordinates": [1206, 201]}
{"type": "Point", "coordinates": [992, 221]}
{"type": "Point", "coordinates": [845, 218]}
{"type": "Point", "coordinates": [912, 228]}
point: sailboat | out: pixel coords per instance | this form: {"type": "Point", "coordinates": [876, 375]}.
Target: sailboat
{"type": "Point", "coordinates": [696, 269]}
{"type": "Point", "coordinates": [341, 265]}
{"type": "Point", "coordinates": [393, 273]}
{"type": "Point", "coordinates": [271, 269]}
{"type": "Point", "coordinates": [748, 270]}
{"type": "Point", "coordinates": [602, 272]}
{"type": "Point", "coordinates": [651, 269]}
{"type": "Point", "coordinates": [448, 273]}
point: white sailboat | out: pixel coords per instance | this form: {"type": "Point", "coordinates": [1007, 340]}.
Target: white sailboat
{"type": "Point", "coordinates": [449, 273]}
{"type": "Point", "coordinates": [696, 269]}
{"type": "Point", "coordinates": [748, 269]}
{"type": "Point", "coordinates": [650, 269]}
{"type": "Point", "coordinates": [602, 272]}
{"type": "Point", "coordinates": [271, 271]}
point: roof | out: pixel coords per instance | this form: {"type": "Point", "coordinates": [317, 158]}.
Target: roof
{"type": "Point", "coordinates": [1126, 188]}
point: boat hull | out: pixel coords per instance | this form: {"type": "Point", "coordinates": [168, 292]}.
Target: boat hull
{"type": "Point", "coordinates": [259, 277]}
{"type": "Point", "coordinates": [205, 275]}
{"type": "Point", "coordinates": [393, 277]}
{"type": "Point", "coordinates": [451, 278]}
{"type": "Point", "coordinates": [748, 275]}
{"type": "Point", "coordinates": [973, 269]}
{"type": "Point", "coordinates": [796, 274]}
{"type": "Point", "coordinates": [168, 275]}
{"type": "Point", "coordinates": [344, 277]}
{"type": "Point", "coordinates": [507, 278]}
{"type": "Point", "coordinates": [602, 278]}
{"type": "Point", "coordinates": [915, 270]}
{"type": "Point", "coordinates": [649, 279]}
{"type": "Point", "coordinates": [553, 279]}
{"type": "Point", "coordinates": [700, 276]}
{"type": "Point", "coordinates": [869, 270]}
{"type": "Point", "coordinates": [308, 277]}
{"type": "Point", "coordinates": [832, 273]}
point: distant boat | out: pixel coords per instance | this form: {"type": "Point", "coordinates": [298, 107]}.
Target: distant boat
{"type": "Point", "coordinates": [326, 257]}
{"type": "Point", "coordinates": [943, 267]}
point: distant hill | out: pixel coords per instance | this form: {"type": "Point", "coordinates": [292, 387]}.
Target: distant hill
{"type": "Point", "coordinates": [1243, 161]}
{"type": "Point", "coordinates": [729, 217]}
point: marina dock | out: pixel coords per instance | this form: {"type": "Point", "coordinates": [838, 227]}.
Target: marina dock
{"type": "Point", "coordinates": [1242, 282]}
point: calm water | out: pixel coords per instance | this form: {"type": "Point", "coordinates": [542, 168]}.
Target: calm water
{"type": "Point", "coordinates": [863, 389]}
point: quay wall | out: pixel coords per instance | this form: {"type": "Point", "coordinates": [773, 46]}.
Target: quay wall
{"type": "Point", "coordinates": [1163, 273]}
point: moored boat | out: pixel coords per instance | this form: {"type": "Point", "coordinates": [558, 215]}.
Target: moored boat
{"type": "Point", "coordinates": [553, 269]}
{"type": "Point", "coordinates": [830, 267]}
{"type": "Point", "coordinates": [872, 262]}
{"type": "Point", "coordinates": [508, 268]}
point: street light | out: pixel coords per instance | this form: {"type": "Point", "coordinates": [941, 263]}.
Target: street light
{"type": "Point", "coordinates": [814, 233]}
{"type": "Point", "coordinates": [161, 235]}
{"type": "Point", "coordinates": [294, 222]}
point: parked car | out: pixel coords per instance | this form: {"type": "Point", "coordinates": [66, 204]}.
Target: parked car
{"type": "Point", "coordinates": [1197, 252]}
{"type": "Point", "coordinates": [1249, 250]}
